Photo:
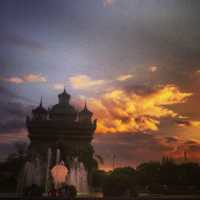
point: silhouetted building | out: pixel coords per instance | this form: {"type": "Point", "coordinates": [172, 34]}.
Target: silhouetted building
{"type": "Point", "coordinates": [63, 127]}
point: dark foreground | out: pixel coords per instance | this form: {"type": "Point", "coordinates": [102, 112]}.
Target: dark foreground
{"type": "Point", "coordinates": [155, 197]}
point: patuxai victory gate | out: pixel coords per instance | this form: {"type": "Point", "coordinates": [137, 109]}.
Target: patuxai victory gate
{"type": "Point", "coordinates": [62, 127]}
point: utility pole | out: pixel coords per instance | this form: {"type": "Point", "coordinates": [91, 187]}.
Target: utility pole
{"type": "Point", "coordinates": [185, 156]}
{"type": "Point", "coordinates": [114, 161]}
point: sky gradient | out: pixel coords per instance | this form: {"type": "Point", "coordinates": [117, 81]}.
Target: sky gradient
{"type": "Point", "coordinates": [136, 62]}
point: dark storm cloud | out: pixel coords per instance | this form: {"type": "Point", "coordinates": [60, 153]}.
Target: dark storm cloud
{"type": "Point", "coordinates": [171, 139]}
{"type": "Point", "coordinates": [11, 126]}
{"type": "Point", "coordinates": [13, 111]}
{"type": "Point", "coordinates": [11, 39]}
{"type": "Point", "coordinates": [191, 147]}
{"type": "Point", "coordinates": [138, 89]}
{"type": "Point", "coordinates": [7, 94]}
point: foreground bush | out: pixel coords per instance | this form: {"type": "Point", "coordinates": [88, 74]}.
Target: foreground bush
{"type": "Point", "coordinates": [121, 182]}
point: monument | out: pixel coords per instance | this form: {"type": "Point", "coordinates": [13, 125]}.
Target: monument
{"type": "Point", "coordinates": [64, 130]}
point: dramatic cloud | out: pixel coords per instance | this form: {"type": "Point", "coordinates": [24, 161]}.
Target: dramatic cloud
{"type": "Point", "coordinates": [188, 123]}
{"type": "Point", "coordinates": [108, 3]}
{"type": "Point", "coordinates": [11, 39]}
{"type": "Point", "coordinates": [171, 139]}
{"type": "Point", "coordinates": [185, 149]}
{"type": "Point", "coordinates": [84, 82]}
{"type": "Point", "coordinates": [153, 68]}
{"type": "Point", "coordinates": [19, 136]}
{"type": "Point", "coordinates": [14, 110]}
{"type": "Point", "coordinates": [124, 77]}
{"type": "Point", "coordinates": [14, 115]}
{"type": "Point", "coordinates": [58, 86]}
{"type": "Point", "coordinates": [198, 71]}
{"type": "Point", "coordinates": [28, 78]}
{"type": "Point", "coordinates": [9, 140]}
{"type": "Point", "coordinates": [100, 40]}
{"type": "Point", "coordinates": [132, 112]}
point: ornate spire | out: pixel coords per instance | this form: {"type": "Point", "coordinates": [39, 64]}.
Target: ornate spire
{"type": "Point", "coordinates": [85, 110]}
{"type": "Point", "coordinates": [64, 97]}
{"type": "Point", "coordinates": [64, 93]}
{"type": "Point", "coordinates": [40, 108]}
{"type": "Point", "coordinates": [85, 107]}
{"type": "Point", "coordinates": [41, 103]}
{"type": "Point", "coordinates": [64, 90]}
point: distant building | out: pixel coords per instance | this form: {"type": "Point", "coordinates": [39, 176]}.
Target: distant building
{"type": "Point", "coordinates": [63, 127]}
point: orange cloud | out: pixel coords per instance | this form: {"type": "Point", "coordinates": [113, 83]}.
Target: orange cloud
{"type": "Point", "coordinates": [189, 123]}
{"type": "Point", "coordinates": [121, 111]}
{"type": "Point", "coordinates": [28, 78]}
{"type": "Point", "coordinates": [153, 68]}
{"type": "Point", "coordinates": [14, 79]}
{"type": "Point", "coordinates": [9, 138]}
{"type": "Point", "coordinates": [84, 82]}
{"type": "Point", "coordinates": [188, 148]}
{"type": "Point", "coordinates": [108, 3]}
{"type": "Point", "coordinates": [58, 86]}
{"type": "Point", "coordinates": [198, 71]}
{"type": "Point", "coordinates": [124, 77]}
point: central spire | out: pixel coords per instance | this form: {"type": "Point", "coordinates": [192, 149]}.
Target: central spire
{"type": "Point", "coordinates": [41, 103]}
{"type": "Point", "coordinates": [64, 90]}
{"type": "Point", "coordinates": [85, 107]}
{"type": "Point", "coordinates": [64, 97]}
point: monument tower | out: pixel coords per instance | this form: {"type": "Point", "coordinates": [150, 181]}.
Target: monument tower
{"type": "Point", "coordinates": [63, 127]}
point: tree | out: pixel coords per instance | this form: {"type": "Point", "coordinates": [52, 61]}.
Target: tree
{"type": "Point", "coordinates": [11, 167]}
{"type": "Point", "coordinates": [120, 182]}
{"type": "Point", "coordinates": [168, 172]}
{"type": "Point", "coordinates": [148, 173]}
{"type": "Point", "coordinates": [98, 178]}
{"type": "Point", "coordinates": [189, 174]}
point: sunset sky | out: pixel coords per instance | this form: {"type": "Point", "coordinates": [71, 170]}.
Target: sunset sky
{"type": "Point", "coordinates": [136, 62]}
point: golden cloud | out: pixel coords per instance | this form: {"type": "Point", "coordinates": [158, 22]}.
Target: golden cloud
{"type": "Point", "coordinates": [108, 3]}
{"type": "Point", "coordinates": [121, 111]}
{"type": "Point", "coordinates": [153, 68]}
{"type": "Point", "coordinates": [8, 138]}
{"type": "Point", "coordinates": [58, 86]}
{"type": "Point", "coordinates": [124, 77]}
{"type": "Point", "coordinates": [188, 149]}
{"type": "Point", "coordinates": [198, 71]}
{"type": "Point", "coordinates": [84, 82]}
{"type": "Point", "coordinates": [189, 123]}
{"type": "Point", "coordinates": [28, 78]}
{"type": "Point", "coordinates": [14, 79]}
{"type": "Point", "coordinates": [34, 78]}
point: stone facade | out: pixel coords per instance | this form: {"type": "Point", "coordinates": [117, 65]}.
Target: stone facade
{"type": "Point", "coordinates": [63, 127]}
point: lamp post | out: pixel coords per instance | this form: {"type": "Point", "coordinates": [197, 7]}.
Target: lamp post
{"type": "Point", "coordinates": [49, 155]}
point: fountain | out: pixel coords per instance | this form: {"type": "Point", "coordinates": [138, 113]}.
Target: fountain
{"type": "Point", "coordinates": [49, 155]}
{"type": "Point", "coordinates": [59, 174]}
{"type": "Point", "coordinates": [31, 175]}
{"type": "Point", "coordinates": [78, 177]}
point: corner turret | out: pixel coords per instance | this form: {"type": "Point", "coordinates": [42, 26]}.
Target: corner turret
{"type": "Point", "coordinates": [85, 116]}
{"type": "Point", "coordinates": [39, 113]}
